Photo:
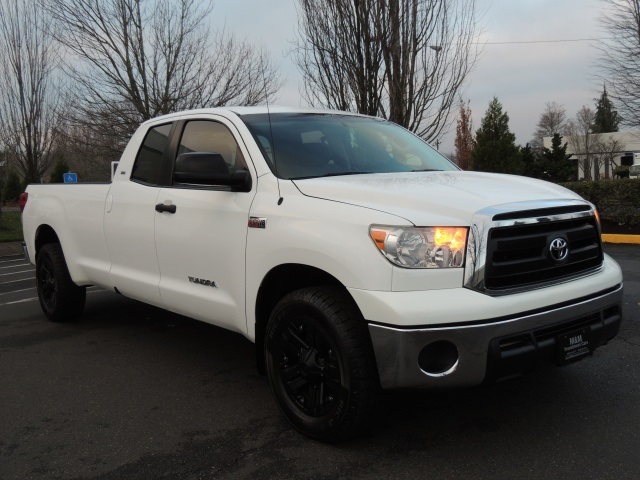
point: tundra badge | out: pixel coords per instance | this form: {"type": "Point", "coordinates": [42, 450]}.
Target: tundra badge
{"type": "Point", "coordinates": [202, 281]}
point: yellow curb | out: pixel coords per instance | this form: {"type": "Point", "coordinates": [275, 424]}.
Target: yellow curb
{"type": "Point", "coordinates": [620, 238]}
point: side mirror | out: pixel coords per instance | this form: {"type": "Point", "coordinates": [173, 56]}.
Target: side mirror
{"type": "Point", "coordinates": [208, 168]}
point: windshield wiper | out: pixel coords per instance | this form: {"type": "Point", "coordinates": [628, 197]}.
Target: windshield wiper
{"type": "Point", "coordinates": [332, 174]}
{"type": "Point", "coordinates": [337, 174]}
{"type": "Point", "coordinates": [428, 170]}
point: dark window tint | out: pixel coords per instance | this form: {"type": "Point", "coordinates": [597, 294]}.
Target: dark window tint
{"type": "Point", "coordinates": [149, 160]}
{"type": "Point", "coordinates": [212, 137]}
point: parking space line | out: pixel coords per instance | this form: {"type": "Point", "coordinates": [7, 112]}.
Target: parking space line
{"type": "Point", "coordinates": [16, 281]}
{"type": "Point", "coordinates": [15, 260]}
{"type": "Point", "coordinates": [18, 291]}
{"type": "Point", "coordinates": [16, 266]}
{"type": "Point", "coordinates": [25, 300]}
{"type": "Point", "coordinates": [33, 299]}
{"type": "Point", "coordinates": [15, 273]}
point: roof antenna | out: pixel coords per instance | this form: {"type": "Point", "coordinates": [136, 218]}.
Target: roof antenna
{"type": "Point", "coordinates": [273, 147]}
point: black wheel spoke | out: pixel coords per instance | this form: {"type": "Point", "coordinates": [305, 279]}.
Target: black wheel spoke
{"type": "Point", "coordinates": [309, 369]}
{"type": "Point", "coordinates": [46, 271]}
{"type": "Point", "coordinates": [292, 341]}
{"type": "Point", "coordinates": [292, 375]}
{"type": "Point", "coordinates": [296, 384]}
{"type": "Point", "coordinates": [311, 399]}
{"type": "Point", "coordinates": [47, 283]}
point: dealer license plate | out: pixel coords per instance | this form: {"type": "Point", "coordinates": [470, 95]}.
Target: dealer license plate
{"type": "Point", "coordinates": [573, 346]}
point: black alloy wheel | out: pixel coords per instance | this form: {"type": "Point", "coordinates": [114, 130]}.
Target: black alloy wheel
{"type": "Point", "coordinates": [320, 363]}
{"type": "Point", "coordinates": [61, 299]}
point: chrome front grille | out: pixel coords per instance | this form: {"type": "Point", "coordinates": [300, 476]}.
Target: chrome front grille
{"type": "Point", "coordinates": [514, 250]}
{"type": "Point", "coordinates": [521, 255]}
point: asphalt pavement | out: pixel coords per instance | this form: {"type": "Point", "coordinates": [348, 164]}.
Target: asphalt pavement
{"type": "Point", "coordinates": [9, 249]}
{"type": "Point", "coordinates": [134, 392]}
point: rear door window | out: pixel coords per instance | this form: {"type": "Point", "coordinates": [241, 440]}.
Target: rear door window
{"type": "Point", "coordinates": [149, 161]}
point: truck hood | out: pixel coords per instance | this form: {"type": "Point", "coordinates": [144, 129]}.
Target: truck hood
{"type": "Point", "coordinates": [432, 198]}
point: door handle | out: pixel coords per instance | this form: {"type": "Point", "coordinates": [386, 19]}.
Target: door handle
{"type": "Point", "coordinates": [161, 207]}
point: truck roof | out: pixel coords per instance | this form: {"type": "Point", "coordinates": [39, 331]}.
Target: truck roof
{"type": "Point", "coordinates": [242, 110]}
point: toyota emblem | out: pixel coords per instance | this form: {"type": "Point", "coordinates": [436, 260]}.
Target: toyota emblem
{"type": "Point", "coordinates": [559, 249]}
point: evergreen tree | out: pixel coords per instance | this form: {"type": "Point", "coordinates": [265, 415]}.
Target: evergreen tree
{"type": "Point", "coordinates": [495, 149]}
{"type": "Point", "coordinates": [464, 138]}
{"type": "Point", "coordinates": [12, 187]}
{"type": "Point", "coordinates": [531, 163]}
{"type": "Point", "coordinates": [555, 161]}
{"type": "Point", "coordinates": [61, 167]}
{"type": "Point", "coordinates": [606, 118]}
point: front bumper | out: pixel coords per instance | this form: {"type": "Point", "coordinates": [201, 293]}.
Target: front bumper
{"type": "Point", "coordinates": [489, 350]}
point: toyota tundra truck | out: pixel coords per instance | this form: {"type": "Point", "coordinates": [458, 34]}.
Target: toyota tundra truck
{"type": "Point", "coordinates": [355, 256]}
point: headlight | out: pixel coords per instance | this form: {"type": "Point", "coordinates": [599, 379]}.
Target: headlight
{"type": "Point", "coordinates": [423, 247]}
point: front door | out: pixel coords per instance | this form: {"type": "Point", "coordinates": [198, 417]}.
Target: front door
{"type": "Point", "coordinates": [201, 236]}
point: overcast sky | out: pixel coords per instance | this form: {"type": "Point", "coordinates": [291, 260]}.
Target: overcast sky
{"type": "Point", "coordinates": [523, 76]}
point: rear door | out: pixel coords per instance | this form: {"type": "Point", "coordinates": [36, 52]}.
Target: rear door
{"type": "Point", "coordinates": [201, 244]}
{"type": "Point", "coordinates": [130, 220]}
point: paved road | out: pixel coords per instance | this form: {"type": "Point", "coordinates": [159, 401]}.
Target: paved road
{"type": "Point", "coordinates": [134, 392]}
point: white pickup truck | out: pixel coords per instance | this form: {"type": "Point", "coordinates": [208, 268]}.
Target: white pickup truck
{"type": "Point", "coordinates": [354, 255]}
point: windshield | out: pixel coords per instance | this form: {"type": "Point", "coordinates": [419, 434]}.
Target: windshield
{"type": "Point", "coordinates": [309, 145]}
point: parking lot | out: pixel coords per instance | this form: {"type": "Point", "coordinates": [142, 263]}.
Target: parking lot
{"type": "Point", "coordinates": [132, 391]}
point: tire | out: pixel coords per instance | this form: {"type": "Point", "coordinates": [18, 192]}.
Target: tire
{"type": "Point", "coordinates": [320, 364]}
{"type": "Point", "coordinates": [61, 299]}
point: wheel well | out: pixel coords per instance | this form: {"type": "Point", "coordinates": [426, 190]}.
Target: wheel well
{"type": "Point", "coordinates": [45, 234]}
{"type": "Point", "coordinates": [279, 282]}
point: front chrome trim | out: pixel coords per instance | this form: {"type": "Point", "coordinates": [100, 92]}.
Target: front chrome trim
{"type": "Point", "coordinates": [397, 350]}
{"type": "Point", "coordinates": [482, 222]}
{"type": "Point", "coordinates": [453, 368]}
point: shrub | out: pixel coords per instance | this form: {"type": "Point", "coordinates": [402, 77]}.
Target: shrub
{"type": "Point", "coordinates": [61, 167]}
{"type": "Point", "coordinates": [12, 187]}
{"type": "Point", "coordinates": [617, 201]}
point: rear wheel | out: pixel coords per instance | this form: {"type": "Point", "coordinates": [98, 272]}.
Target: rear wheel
{"type": "Point", "coordinates": [60, 298]}
{"type": "Point", "coordinates": [320, 364]}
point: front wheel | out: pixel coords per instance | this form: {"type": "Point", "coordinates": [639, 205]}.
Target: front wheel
{"type": "Point", "coordinates": [61, 299]}
{"type": "Point", "coordinates": [320, 364]}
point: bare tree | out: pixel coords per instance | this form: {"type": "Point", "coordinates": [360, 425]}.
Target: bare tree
{"type": "Point", "coordinates": [136, 59]}
{"type": "Point", "coordinates": [606, 149]}
{"type": "Point", "coordinates": [619, 58]}
{"type": "Point", "coordinates": [582, 141]}
{"type": "Point", "coordinates": [339, 54]}
{"type": "Point", "coordinates": [405, 60]}
{"type": "Point", "coordinates": [3, 175]}
{"type": "Point", "coordinates": [553, 120]}
{"type": "Point", "coordinates": [28, 97]}
{"type": "Point", "coordinates": [87, 151]}
{"type": "Point", "coordinates": [464, 137]}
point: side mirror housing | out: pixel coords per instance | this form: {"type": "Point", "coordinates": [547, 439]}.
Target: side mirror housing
{"type": "Point", "coordinates": [208, 168]}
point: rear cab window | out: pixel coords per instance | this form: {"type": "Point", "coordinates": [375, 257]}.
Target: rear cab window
{"type": "Point", "coordinates": [148, 166]}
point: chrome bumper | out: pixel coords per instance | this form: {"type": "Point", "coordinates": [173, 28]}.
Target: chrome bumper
{"type": "Point", "coordinates": [397, 350]}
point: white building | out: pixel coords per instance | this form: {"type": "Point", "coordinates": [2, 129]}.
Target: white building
{"type": "Point", "coordinates": [598, 154]}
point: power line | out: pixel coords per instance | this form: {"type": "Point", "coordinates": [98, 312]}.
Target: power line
{"type": "Point", "coordinates": [566, 40]}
